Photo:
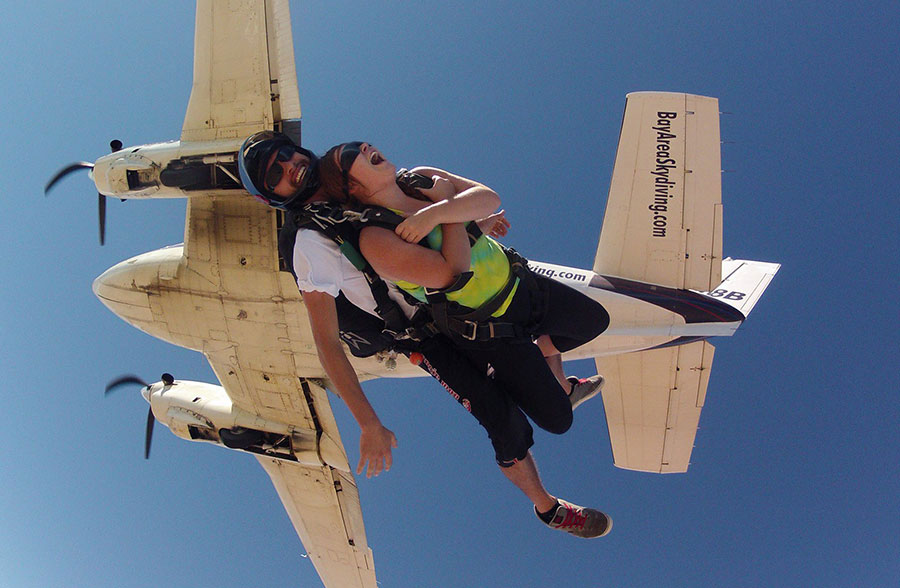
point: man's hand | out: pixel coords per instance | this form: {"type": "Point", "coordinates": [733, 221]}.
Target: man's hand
{"type": "Point", "coordinates": [494, 225]}
{"type": "Point", "coordinates": [375, 445]}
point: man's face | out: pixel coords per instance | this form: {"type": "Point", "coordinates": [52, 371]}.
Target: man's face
{"type": "Point", "coordinates": [287, 172]}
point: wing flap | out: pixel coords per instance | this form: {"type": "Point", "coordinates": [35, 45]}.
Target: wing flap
{"type": "Point", "coordinates": [286, 94]}
{"type": "Point", "coordinates": [653, 401]}
{"type": "Point", "coordinates": [663, 220]}
{"type": "Point", "coordinates": [323, 505]}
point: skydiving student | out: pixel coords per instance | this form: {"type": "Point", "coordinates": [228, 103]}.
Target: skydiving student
{"type": "Point", "coordinates": [286, 176]}
{"type": "Point", "coordinates": [483, 297]}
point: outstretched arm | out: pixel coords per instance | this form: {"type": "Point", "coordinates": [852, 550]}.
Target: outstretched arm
{"type": "Point", "coordinates": [375, 441]}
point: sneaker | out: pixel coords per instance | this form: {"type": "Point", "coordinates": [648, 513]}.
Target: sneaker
{"type": "Point", "coordinates": [579, 521]}
{"type": "Point", "coordinates": [583, 389]}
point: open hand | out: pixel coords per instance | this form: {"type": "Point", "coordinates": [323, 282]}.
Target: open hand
{"type": "Point", "coordinates": [494, 225]}
{"type": "Point", "coordinates": [375, 445]}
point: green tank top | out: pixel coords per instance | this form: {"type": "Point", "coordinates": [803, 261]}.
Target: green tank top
{"type": "Point", "coordinates": [490, 268]}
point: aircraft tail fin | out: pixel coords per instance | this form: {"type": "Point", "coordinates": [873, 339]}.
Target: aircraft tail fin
{"type": "Point", "coordinates": [744, 283]}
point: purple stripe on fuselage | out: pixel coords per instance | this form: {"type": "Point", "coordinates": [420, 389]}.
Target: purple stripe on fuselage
{"type": "Point", "coordinates": [693, 307]}
{"type": "Point", "coordinates": [677, 342]}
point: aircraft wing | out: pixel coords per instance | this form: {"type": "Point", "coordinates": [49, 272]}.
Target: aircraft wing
{"type": "Point", "coordinates": [663, 220]}
{"type": "Point", "coordinates": [231, 256]}
{"type": "Point", "coordinates": [323, 505]}
{"type": "Point", "coordinates": [652, 401]}
{"type": "Point", "coordinates": [260, 346]}
{"type": "Point", "coordinates": [258, 349]}
{"type": "Point", "coordinates": [245, 79]}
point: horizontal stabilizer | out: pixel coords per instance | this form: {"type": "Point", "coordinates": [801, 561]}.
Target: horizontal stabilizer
{"type": "Point", "coordinates": [744, 282]}
{"type": "Point", "coordinates": [652, 401]}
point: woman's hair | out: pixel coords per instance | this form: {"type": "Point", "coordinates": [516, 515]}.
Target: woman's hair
{"type": "Point", "coordinates": [331, 179]}
{"type": "Point", "coordinates": [333, 186]}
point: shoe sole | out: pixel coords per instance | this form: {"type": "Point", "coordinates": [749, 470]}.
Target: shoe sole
{"type": "Point", "coordinates": [608, 527]}
{"type": "Point", "coordinates": [593, 393]}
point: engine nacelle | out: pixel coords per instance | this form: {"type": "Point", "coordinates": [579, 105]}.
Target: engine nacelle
{"type": "Point", "coordinates": [168, 170]}
{"type": "Point", "coordinates": [198, 411]}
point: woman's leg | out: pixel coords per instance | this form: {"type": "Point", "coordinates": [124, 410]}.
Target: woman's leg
{"type": "Point", "coordinates": [520, 370]}
{"type": "Point", "coordinates": [571, 318]}
{"type": "Point", "coordinates": [554, 360]}
{"type": "Point", "coordinates": [465, 378]}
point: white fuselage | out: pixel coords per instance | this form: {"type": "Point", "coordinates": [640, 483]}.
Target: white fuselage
{"type": "Point", "coordinates": [148, 292]}
{"type": "Point", "coordinates": [154, 291]}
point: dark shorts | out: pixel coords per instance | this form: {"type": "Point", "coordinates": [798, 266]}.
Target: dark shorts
{"type": "Point", "coordinates": [499, 405]}
{"type": "Point", "coordinates": [521, 384]}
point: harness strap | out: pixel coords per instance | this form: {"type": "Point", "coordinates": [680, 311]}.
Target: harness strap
{"type": "Point", "coordinates": [337, 225]}
{"type": "Point", "coordinates": [377, 216]}
{"type": "Point", "coordinates": [472, 331]}
{"type": "Point", "coordinates": [343, 228]}
{"type": "Point", "coordinates": [476, 324]}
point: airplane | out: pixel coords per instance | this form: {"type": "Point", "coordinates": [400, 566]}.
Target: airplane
{"type": "Point", "coordinates": [224, 291]}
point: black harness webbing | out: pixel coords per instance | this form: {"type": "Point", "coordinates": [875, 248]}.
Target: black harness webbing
{"type": "Point", "coordinates": [452, 318]}
{"type": "Point", "coordinates": [335, 224]}
{"type": "Point", "coordinates": [343, 227]}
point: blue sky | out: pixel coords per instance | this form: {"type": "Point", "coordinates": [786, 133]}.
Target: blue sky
{"type": "Point", "coordinates": [795, 474]}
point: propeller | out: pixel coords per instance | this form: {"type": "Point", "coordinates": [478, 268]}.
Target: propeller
{"type": "Point", "coordinates": [167, 379]}
{"type": "Point", "coordinates": [114, 145]}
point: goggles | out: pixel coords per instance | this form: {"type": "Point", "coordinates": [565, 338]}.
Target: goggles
{"type": "Point", "coordinates": [346, 156]}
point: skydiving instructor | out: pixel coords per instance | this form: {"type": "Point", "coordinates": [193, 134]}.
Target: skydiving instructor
{"type": "Point", "coordinates": [285, 176]}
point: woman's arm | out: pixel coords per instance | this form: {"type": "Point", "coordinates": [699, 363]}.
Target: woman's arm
{"type": "Point", "coordinates": [455, 248]}
{"type": "Point", "coordinates": [394, 259]}
{"type": "Point", "coordinates": [375, 441]}
{"type": "Point", "coordinates": [456, 200]}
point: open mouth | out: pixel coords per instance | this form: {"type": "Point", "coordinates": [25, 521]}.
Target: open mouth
{"type": "Point", "coordinates": [301, 171]}
{"type": "Point", "coordinates": [375, 158]}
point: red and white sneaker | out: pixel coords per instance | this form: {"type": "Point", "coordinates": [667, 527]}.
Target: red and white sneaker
{"type": "Point", "coordinates": [583, 389]}
{"type": "Point", "coordinates": [579, 521]}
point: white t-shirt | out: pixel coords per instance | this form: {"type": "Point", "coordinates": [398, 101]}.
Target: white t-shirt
{"type": "Point", "coordinates": [321, 267]}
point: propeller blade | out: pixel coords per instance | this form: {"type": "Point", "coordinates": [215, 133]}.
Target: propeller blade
{"type": "Point", "coordinates": [150, 421]}
{"type": "Point", "coordinates": [66, 171]}
{"type": "Point", "coordinates": [167, 380]}
{"type": "Point", "coordinates": [122, 380]}
{"type": "Point", "coordinates": [101, 210]}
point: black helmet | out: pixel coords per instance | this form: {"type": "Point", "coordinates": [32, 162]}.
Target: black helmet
{"type": "Point", "coordinates": [253, 159]}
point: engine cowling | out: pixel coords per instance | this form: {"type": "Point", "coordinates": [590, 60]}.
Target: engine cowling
{"type": "Point", "coordinates": [198, 411]}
